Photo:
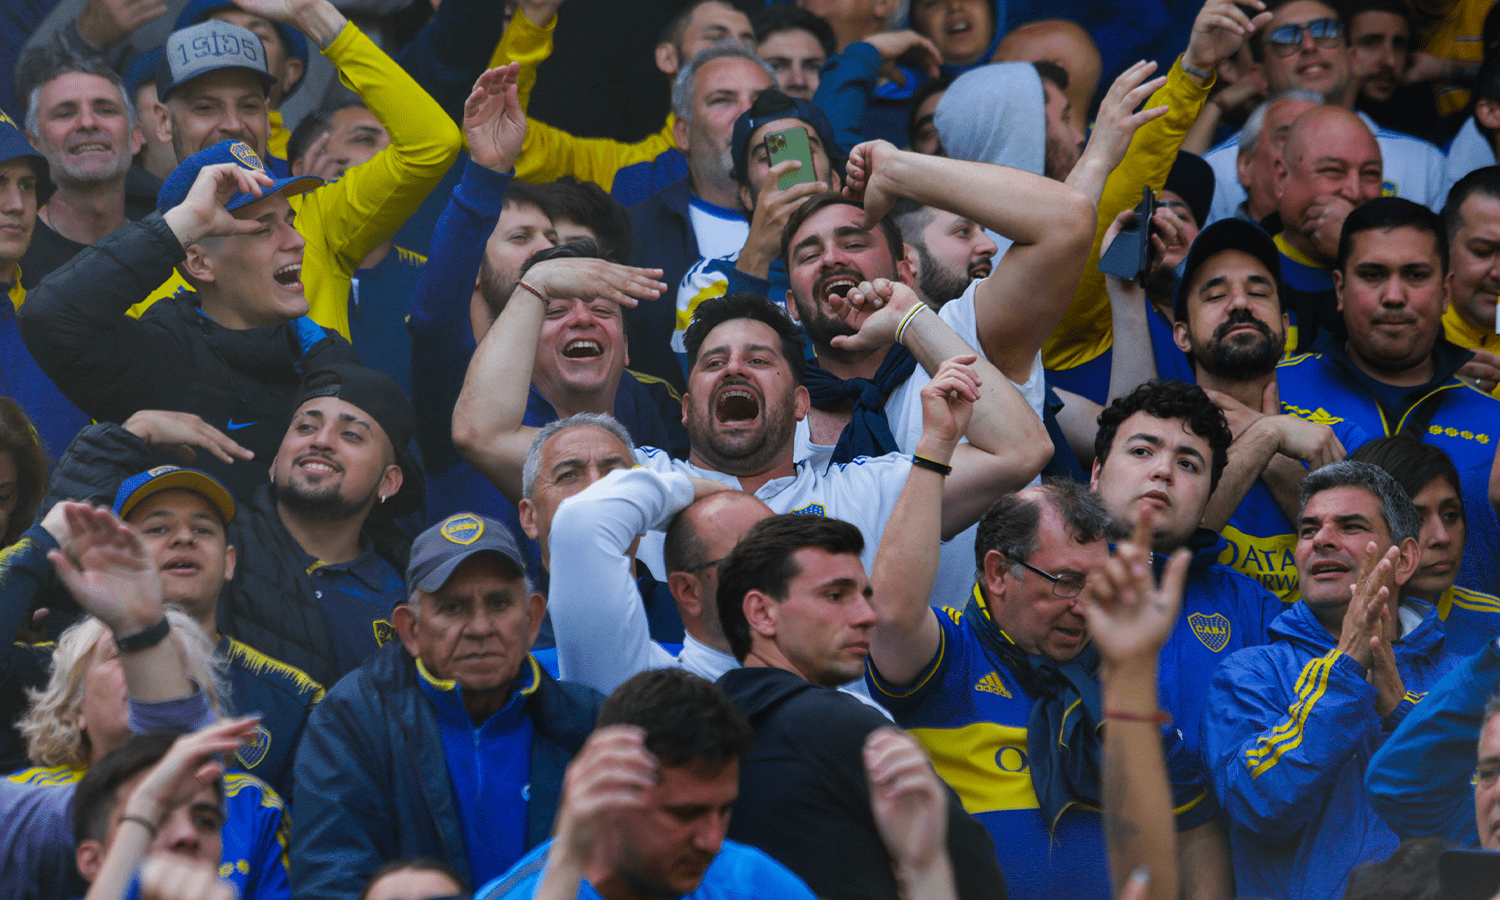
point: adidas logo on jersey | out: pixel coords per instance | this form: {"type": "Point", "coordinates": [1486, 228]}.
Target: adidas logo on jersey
{"type": "Point", "coordinates": [991, 684]}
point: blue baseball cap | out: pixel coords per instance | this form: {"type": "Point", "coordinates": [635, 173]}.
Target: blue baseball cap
{"type": "Point", "coordinates": [209, 47]}
{"type": "Point", "coordinates": [175, 189]}
{"type": "Point", "coordinates": [141, 69]}
{"type": "Point", "coordinates": [781, 107]}
{"type": "Point", "coordinates": [295, 42]}
{"type": "Point", "coordinates": [442, 548]}
{"type": "Point", "coordinates": [15, 146]}
{"type": "Point", "coordinates": [168, 478]}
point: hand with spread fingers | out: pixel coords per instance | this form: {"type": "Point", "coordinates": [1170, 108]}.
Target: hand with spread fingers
{"type": "Point", "coordinates": [107, 569]}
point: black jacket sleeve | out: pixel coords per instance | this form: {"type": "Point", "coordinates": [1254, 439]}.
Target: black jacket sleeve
{"type": "Point", "coordinates": [76, 327]}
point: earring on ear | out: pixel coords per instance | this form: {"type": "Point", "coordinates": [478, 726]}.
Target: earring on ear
{"type": "Point", "coordinates": [382, 498]}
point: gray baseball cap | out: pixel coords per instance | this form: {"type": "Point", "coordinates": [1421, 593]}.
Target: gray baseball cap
{"type": "Point", "coordinates": [442, 548]}
{"type": "Point", "coordinates": [208, 47]}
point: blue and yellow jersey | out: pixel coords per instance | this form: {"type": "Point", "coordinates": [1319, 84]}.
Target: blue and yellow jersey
{"type": "Point", "coordinates": [1259, 537]}
{"type": "Point", "coordinates": [1464, 423]}
{"type": "Point", "coordinates": [1222, 612]}
{"type": "Point", "coordinates": [283, 696]}
{"type": "Point", "coordinates": [1471, 619]}
{"type": "Point", "coordinates": [255, 832]}
{"type": "Point", "coordinates": [971, 716]}
{"type": "Point", "coordinates": [1465, 335]}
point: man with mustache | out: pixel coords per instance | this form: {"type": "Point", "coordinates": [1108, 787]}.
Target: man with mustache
{"type": "Point", "coordinates": [1296, 721]}
{"type": "Point", "coordinates": [1230, 320]}
{"type": "Point", "coordinates": [1397, 373]}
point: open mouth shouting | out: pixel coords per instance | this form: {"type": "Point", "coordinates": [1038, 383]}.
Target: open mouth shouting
{"type": "Point", "coordinates": [980, 269]}
{"type": "Point", "coordinates": [837, 283]}
{"type": "Point", "coordinates": [289, 276]}
{"type": "Point", "coordinates": [736, 405]}
{"type": "Point", "coordinates": [582, 348]}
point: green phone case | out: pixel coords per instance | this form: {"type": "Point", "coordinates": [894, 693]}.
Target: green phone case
{"type": "Point", "coordinates": [791, 144]}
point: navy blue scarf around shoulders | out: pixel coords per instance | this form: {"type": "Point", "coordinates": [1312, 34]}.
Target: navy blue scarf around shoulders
{"type": "Point", "coordinates": [868, 432]}
{"type": "Point", "coordinates": [1062, 734]}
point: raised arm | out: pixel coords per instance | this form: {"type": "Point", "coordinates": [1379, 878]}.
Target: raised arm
{"type": "Point", "coordinates": [598, 620]}
{"type": "Point", "coordinates": [1007, 443]}
{"type": "Point", "coordinates": [1218, 32]}
{"type": "Point", "coordinates": [487, 420]}
{"type": "Point", "coordinates": [1271, 446]}
{"type": "Point", "coordinates": [1130, 618]}
{"type": "Point", "coordinates": [442, 333]}
{"type": "Point", "coordinates": [907, 635]}
{"type": "Point", "coordinates": [350, 217]}
{"type": "Point", "coordinates": [1021, 301]}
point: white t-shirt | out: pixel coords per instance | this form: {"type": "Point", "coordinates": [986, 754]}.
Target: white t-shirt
{"type": "Point", "coordinates": [1412, 168]}
{"type": "Point", "coordinates": [1470, 150]}
{"type": "Point", "coordinates": [719, 231]}
{"type": "Point", "coordinates": [903, 410]}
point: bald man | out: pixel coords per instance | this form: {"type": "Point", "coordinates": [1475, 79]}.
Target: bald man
{"type": "Point", "coordinates": [1331, 165]}
{"type": "Point", "coordinates": [1063, 42]}
{"type": "Point", "coordinates": [1287, 57]}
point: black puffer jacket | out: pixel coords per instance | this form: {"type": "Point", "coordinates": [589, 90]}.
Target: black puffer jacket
{"type": "Point", "coordinates": [243, 382]}
{"type": "Point", "coordinates": [271, 604]}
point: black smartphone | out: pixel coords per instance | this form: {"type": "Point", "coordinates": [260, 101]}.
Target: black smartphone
{"type": "Point", "coordinates": [1126, 257]}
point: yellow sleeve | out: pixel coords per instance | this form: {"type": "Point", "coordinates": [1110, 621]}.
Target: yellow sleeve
{"type": "Point", "coordinates": [1085, 330]}
{"type": "Point", "coordinates": [524, 43]}
{"type": "Point", "coordinates": [550, 153]}
{"type": "Point", "coordinates": [346, 219]}
{"type": "Point", "coordinates": [276, 141]}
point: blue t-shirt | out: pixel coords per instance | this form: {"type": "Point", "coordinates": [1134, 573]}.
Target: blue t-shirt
{"type": "Point", "coordinates": [737, 873]}
{"type": "Point", "coordinates": [972, 716]}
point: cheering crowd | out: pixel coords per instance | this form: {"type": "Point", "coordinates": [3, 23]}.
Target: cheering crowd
{"type": "Point", "coordinates": [965, 449]}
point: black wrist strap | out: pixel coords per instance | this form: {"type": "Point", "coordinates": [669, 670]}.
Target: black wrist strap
{"type": "Point", "coordinates": [932, 464]}
{"type": "Point", "coordinates": [144, 639]}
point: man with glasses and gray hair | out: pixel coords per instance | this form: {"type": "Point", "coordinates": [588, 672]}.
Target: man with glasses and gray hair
{"type": "Point", "coordinates": [1296, 721]}
{"type": "Point", "coordinates": [1305, 46]}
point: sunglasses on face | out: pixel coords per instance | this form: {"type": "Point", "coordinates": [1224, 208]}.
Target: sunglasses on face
{"type": "Point", "coordinates": [1326, 33]}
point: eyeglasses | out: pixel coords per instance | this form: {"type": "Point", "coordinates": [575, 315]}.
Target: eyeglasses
{"type": "Point", "coordinates": [1065, 586]}
{"type": "Point", "coordinates": [1326, 33]}
{"type": "Point", "coordinates": [712, 562]}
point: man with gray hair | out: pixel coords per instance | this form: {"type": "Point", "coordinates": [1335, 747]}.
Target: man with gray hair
{"type": "Point", "coordinates": [699, 216]}
{"type": "Point", "coordinates": [1261, 141]}
{"type": "Point", "coordinates": [451, 744]}
{"type": "Point", "coordinates": [1297, 720]}
{"type": "Point", "coordinates": [81, 120]}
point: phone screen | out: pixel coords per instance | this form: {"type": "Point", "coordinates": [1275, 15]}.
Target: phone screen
{"type": "Point", "coordinates": [791, 144]}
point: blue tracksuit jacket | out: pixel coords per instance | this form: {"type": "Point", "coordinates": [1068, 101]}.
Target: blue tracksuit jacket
{"type": "Point", "coordinates": [1292, 732]}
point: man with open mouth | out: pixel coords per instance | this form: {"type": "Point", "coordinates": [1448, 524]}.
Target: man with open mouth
{"type": "Point", "coordinates": [232, 351]}
{"type": "Point", "coordinates": [1295, 721]}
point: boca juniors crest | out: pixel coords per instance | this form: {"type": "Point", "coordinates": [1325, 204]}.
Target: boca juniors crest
{"type": "Point", "coordinates": [255, 750]}
{"type": "Point", "coordinates": [1212, 630]}
{"type": "Point", "coordinates": [464, 528]}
